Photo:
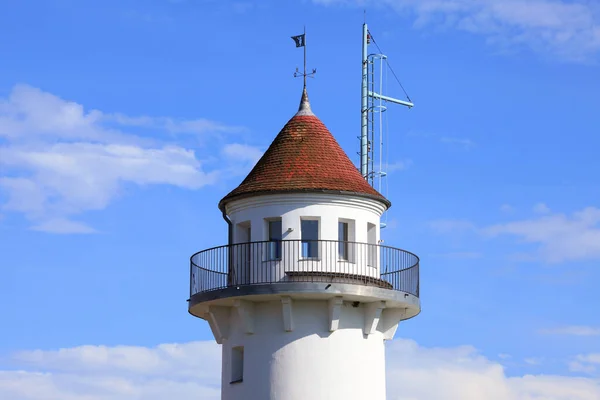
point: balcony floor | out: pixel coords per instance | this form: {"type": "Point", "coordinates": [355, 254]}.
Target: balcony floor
{"type": "Point", "coordinates": [337, 277]}
{"type": "Point", "coordinates": [360, 293]}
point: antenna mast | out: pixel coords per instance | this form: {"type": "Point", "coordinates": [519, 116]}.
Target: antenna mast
{"type": "Point", "coordinates": [373, 101]}
{"type": "Point", "coordinates": [364, 149]}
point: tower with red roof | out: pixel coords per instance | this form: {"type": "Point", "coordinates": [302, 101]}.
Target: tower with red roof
{"type": "Point", "coordinates": [304, 295]}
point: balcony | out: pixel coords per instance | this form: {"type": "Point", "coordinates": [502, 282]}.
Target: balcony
{"type": "Point", "coordinates": [247, 265]}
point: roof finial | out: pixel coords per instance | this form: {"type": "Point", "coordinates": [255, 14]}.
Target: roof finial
{"type": "Point", "coordinates": [304, 108]}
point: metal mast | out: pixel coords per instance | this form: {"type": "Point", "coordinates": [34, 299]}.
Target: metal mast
{"type": "Point", "coordinates": [364, 150]}
{"type": "Point", "coordinates": [370, 93]}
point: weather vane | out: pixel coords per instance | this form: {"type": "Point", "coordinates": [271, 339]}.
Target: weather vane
{"type": "Point", "coordinates": [300, 41]}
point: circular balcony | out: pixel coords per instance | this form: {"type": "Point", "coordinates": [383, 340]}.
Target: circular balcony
{"type": "Point", "coordinates": [244, 267]}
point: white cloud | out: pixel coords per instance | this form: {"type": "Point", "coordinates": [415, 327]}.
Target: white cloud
{"type": "Point", "coordinates": [533, 360]}
{"type": "Point", "coordinates": [593, 358]}
{"type": "Point", "coordinates": [63, 226]}
{"type": "Point", "coordinates": [568, 29]}
{"type": "Point", "coordinates": [242, 152]}
{"type": "Point", "coordinates": [240, 158]}
{"type": "Point", "coordinates": [586, 363]}
{"type": "Point", "coordinates": [192, 371]}
{"type": "Point", "coordinates": [552, 387]}
{"type": "Point", "coordinates": [541, 208]}
{"type": "Point", "coordinates": [574, 330]}
{"type": "Point", "coordinates": [30, 113]}
{"type": "Point", "coordinates": [199, 126]}
{"type": "Point", "coordinates": [165, 360]}
{"type": "Point", "coordinates": [560, 237]}
{"type": "Point", "coordinates": [506, 208]}
{"type": "Point", "coordinates": [59, 160]}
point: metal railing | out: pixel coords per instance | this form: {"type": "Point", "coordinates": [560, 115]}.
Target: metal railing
{"type": "Point", "coordinates": [304, 261]}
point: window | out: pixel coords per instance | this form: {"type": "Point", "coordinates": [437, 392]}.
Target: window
{"type": "Point", "coordinates": [237, 364]}
{"type": "Point", "coordinates": [275, 235]}
{"type": "Point", "coordinates": [343, 240]}
{"type": "Point", "coordinates": [310, 236]}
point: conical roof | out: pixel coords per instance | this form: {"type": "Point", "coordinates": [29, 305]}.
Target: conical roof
{"type": "Point", "coordinates": [304, 157]}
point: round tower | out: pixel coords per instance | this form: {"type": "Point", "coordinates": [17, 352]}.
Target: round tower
{"type": "Point", "coordinates": [303, 296]}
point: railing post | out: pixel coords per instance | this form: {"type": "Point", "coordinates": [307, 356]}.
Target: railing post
{"type": "Point", "coordinates": [191, 275]}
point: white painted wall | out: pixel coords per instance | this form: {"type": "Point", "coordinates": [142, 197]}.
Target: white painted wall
{"type": "Point", "coordinates": [292, 208]}
{"type": "Point", "coordinates": [310, 362]}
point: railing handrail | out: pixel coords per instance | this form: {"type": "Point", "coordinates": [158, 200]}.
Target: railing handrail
{"type": "Point", "coordinates": [300, 240]}
{"type": "Point", "coordinates": [297, 260]}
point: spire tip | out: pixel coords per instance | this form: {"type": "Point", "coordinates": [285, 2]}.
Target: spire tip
{"type": "Point", "coordinates": [304, 108]}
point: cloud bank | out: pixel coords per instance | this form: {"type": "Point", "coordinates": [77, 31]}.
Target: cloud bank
{"type": "Point", "coordinates": [192, 371]}
{"type": "Point", "coordinates": [569, 30]}
{"type": "Point", "coordinates": [58, 160]}
{"type": "Point", "coordinates": [557, 237]}
{"type": "Point", "coordinates": [574, 330]}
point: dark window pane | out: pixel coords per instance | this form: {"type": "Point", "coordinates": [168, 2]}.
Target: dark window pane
{"type": "Point", "coordinates": [310, 236]}
{"type": "Point", "coordinates": [343, 231]}
{"type": "Point", "coordinates": [343, 240]}
{"type": "Point", "coordinates": [275, 235]}
{"type": "Point", "coordinates": [275, 230]}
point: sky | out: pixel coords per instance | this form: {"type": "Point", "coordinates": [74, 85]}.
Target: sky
{"type": "Point", "coordinates": [123, 123]}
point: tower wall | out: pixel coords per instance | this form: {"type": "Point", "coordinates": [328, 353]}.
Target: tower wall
{"type": "Point", "coordinates": [292, 207]}
{"type": "Point", "coordinates": [292, 353]}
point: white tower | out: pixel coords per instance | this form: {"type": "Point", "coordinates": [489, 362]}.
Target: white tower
{"type": "Point", "coordinates": [304, 296]}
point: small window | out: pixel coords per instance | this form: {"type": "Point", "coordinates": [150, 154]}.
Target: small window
{"type": "Point", "coordinates": [275, 236]}
{"type": "Point", "coordinates": [237, 364]}
{"type": "Point", "coordinates": [343, 240]}
{"type": "Point", "coordinates": [310, 237]}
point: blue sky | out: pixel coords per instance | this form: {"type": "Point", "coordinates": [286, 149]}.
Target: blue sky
{"type": "Point", "coordinates": [122, 124]}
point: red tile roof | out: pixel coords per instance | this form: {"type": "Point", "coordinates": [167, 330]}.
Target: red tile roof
{"type": "Point", "coordinates": [304, 157]}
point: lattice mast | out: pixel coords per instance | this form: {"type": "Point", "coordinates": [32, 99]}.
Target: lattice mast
{"type": "Point", "coordinates": [373, 105]}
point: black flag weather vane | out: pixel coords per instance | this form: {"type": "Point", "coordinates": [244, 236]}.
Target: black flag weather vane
{"type": "Point", "coordinates": [300, 41]}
